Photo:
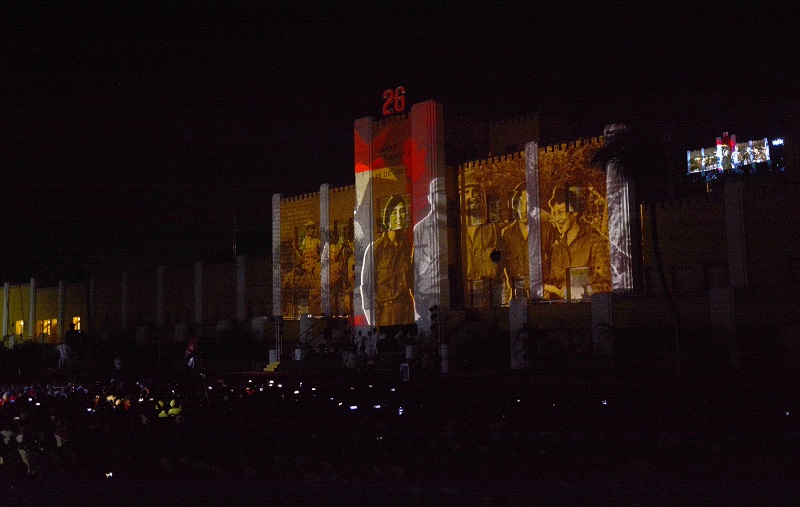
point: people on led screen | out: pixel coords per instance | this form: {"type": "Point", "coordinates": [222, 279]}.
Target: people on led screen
{"type": "Point", "coordinates": [428, 256]}
{"type": "Point", "coordinates": [391, 276]}
{"type": "Point", "coordinates": [576, 247]}
{"type": "Point", "coordinates": [515, 247]}
{"type": "Point", "coordinates": [482, 238]}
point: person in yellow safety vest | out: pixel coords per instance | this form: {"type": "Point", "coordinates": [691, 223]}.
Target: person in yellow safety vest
{"type": "Point", "coordinates": [174, 408]}
{"type": "Point", "coordinates": [161, 409]}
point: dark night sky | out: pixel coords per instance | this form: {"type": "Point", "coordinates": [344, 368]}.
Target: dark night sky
{"type": "Point", "coordinates": [140, 134]}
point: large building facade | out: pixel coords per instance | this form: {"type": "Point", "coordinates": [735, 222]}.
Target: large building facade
{"type": "Point", "coordinates": [413, 233]}
{"type": "Point", "coordinates": [529, 228]}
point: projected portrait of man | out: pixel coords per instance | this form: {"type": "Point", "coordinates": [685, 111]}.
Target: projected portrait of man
{"type": "Point", "coordinates": [309, 250]}
{"type": "Point", "coordinates": [577, 246]}
{"type": "Point", "coordinates": [392, 274]}
{"type": "Point", "coordinates": [309, 254]}
{"type": "Point", "coordinates": [482, 238]}
{"type": "Point", "coordinates": [427, 255]}
{"type": "Point", "coordinates": [515, 247]}
{"type": "Point", "coordinates": [336, 250]}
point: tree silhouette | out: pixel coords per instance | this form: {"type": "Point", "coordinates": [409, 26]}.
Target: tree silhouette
{"type": "Point", "coordinates": [636, 152]}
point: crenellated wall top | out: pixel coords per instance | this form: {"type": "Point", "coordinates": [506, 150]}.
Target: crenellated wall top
{"type": "Point", "coordinates": [572, 144]}
{"type": "Point", "coordinates": [517, 155]}
{"type": "Point", "coordinates": [302, 197]}
{"type": "Point", "coordinates": [346, 188]}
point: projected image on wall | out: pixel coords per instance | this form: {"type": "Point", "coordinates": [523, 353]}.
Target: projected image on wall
{"type": "Point", "coordinates": [400, 226]}
{"type": "Point", "coordinates": [573, 224]}
{"type": "Point", "coordinates": [428, 254]}
{"type": "Point", "coordinates": [300, 264]}
{"type": "Point", "coordinates": [383, 228]}
{"type": "Point", "coordinates": [388, 264]}
{"type": "Point", "coordinates": [494, 230]}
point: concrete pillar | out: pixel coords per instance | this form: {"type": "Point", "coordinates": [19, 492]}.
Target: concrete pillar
{"type": "Point", "coordinates": [624, 228]}
{"type": "Point", "coordinates": [241, 286]}
{"type": "Point", "coordinates": [735, 234]}
{"type": "Point", "coordinates": [198, 293]}
{"type": "Point", "coordinates": [32, 310]}
{"type": "Point", "coordinates": [518, 332]}
{"type": "Point", "coordinates": [123, 287]}
{"type": "Point", "coordinates": [6, 296]}
{"type": "Point", "coordinates": [160, 297]}
{"type": "Point", "coordinates": [364, 224]}
{"type": "Point", "coordinates": [277, 305]}
{"type": "Point", "coordinates": [535, 279]}
{"type": "Point", "coordinates": [429, 211]}
{"type": "Point", "coordinates": [62, 311]}
{"type": "Point", "coordinates": [602, 324]}
{"type": "Point", "coordinates": [325, 238]}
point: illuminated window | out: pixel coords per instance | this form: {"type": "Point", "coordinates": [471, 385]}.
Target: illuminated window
{"type": "Point", "coordinates": [19, 327]}
{"type": "Point", "coordinates": [77, 322]}
{"type": "Point", "coordinates": [46, 327]}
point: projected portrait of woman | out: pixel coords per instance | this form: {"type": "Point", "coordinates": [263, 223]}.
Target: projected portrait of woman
{"type": "Point", "coordinates": [388, 268]}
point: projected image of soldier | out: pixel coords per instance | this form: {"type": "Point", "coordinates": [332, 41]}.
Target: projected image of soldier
{"type": "Point", "coordinates": [427, 254]}
{"type": "Point", "coordinates": [515, 247]}
{"type": "Point", "coordinates": [482, 239]}
{"type": "Point", "coordinates": [391, 275]}
{"type": "Point", "coordinates": [577, 246]}
{"type": "Point", "coordinates": [309, 250]}
{"type": "Point", "coordinates": [309, 255]}
{"type": "Point", "coordinates": [341, 281]}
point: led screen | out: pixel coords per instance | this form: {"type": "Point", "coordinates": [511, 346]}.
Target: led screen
{"type": "Point", "coordinates": [728, 155]}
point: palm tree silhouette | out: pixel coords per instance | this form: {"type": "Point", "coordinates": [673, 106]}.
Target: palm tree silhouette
{"type": "Point", "coordinates": [632, 154]}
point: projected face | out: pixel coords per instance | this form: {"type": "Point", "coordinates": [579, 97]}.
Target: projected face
{"type": "Point", "coordinates": [563, 219]}
{"type": "Point", "coordinates": [521, 207]}
{"type": "Point", "coordinates": [397, 217]}
{"type": "Point", "coordinates": [475, 201]}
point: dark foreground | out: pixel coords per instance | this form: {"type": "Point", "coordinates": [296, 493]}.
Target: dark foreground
{"type": "Point", "coordinates": [497, 438]}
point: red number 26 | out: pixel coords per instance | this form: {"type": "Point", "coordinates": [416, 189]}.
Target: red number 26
{"type": "Point", "coordinates": [395, 100]}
